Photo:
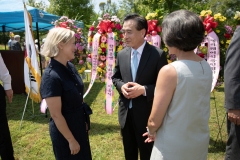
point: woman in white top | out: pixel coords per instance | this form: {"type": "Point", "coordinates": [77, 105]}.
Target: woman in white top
{"type": "Point", "coordinates": [179, 119]}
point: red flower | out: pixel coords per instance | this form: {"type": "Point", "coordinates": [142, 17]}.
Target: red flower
{"type": "Point", "coordinates": [91, 28]}
{"type": "Point", "coordinates": [118, 26]}
{"type": "Point", "coordinates": [209, 23]}
{"type": "Point", "coordinates": [63, 24]}
{"type": "Point", "coordinates": [152, 27]}
{"type": "Point", "coordinates": [105, 26]}
{"type": "Point", "coordinates": [201, 55]}
{"type": "Point", "coordinates": [227, 36]}
{"type": "Point", "coordinates": [104, 50]}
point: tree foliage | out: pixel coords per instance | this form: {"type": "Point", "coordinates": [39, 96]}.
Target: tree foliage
{"type": "Point", "coordinates": [40, 5]}
{"type": "Point", "coordinates": [80, 10]}
{"type": "Point", "coordinates": [163, 7]}
{"type": "Point", "coordinates": [225, 7]}
{"type": "Point", "coordinates": [108, 7]}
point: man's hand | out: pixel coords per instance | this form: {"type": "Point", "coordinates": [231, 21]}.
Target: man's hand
{"type": "Point", "coordinates": [135, 90]}
{"type": "Point", "coordinates": [9, 94]}
{"type": "Point", "coordinates": [124, 90]}
{"type": "Point", "coordinates": [234, 116]}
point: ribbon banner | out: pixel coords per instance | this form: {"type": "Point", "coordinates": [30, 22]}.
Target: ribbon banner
{"type": "Point", "coordinates": [110, 63]}
{"type": "Point", "coordinates": [94, 62]}
{"type": "Point", "coordinates": [153, 30]}
{"type": "Point", "coordinates": [156, 41]}
{"type": "Point", "coordinates": [213, 56]}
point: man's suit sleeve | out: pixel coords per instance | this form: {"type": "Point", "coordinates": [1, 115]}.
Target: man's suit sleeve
{"type": "Point", "coordinates": [232, 73]}
{"type": "Point", "coordinates": [117, 77]}
{"type": "Point", "coordinates": [162, 61]}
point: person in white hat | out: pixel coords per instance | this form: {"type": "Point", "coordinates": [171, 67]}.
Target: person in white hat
{"type": "Point", "coordinates": [15, 44]}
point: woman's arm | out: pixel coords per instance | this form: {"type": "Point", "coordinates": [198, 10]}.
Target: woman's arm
{"type": "Point", "coordinates": [54, 105]}
{"type": "Point", "coordinates": [165, 87]}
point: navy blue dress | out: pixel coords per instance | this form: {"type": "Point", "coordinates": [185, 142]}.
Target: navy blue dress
{"type": "Point", "coordinates": [59, 80]}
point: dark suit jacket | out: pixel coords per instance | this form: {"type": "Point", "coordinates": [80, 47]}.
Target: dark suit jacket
{"type": "Point", "coordinates": [151, 61]}
{"type": "Point", "coordinates": [15, 45]}
{"type": "Point", "coordinates": [232, 73]}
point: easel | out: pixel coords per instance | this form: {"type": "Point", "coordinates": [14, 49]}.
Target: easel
{"type": "Point", "coordinates": [33, 111]}
{"type": "Point", "coordinates": [219, 126]}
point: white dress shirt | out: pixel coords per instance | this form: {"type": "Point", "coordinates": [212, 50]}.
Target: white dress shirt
{"type": "Point", "coordinates": [4, 75]}
{"type": "Point", "coordinates": [139, 50]}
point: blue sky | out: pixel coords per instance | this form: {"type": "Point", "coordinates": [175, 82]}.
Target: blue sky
{"type": "Point", "coordinates": [95, 2]}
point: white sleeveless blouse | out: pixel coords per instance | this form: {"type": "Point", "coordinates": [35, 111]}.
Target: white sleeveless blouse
{"type": "Point", "coordinates": [184, 134]}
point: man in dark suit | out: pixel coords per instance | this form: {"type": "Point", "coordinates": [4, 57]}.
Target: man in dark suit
{"type": "Point", "coordinates": [15, 44]}
{"type": "Point", "coordinates": [232, 97]}
{"type": "Point", "coordinates": [135, 78]}
{"type": "Point", "coordinates": [6, 148]}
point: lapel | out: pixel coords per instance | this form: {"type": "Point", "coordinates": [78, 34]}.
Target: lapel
{"type": "Point", "coordinates": [128, 64]}
{"type": "Point", "coordinates": [143, 60]}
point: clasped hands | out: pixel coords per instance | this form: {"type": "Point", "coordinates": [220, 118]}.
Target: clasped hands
{"type": "Point", "coordinates": [234, 116]}
{"type": "Point", "coordinates": [132, 90]}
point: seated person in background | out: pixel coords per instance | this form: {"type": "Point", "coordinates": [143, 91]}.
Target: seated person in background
{"type": "Point", "coordinates": [15, 44]}
{"type": "Point", "coordinates": [43, 58]}
{"type": "Point", "coordinates": [36, 45]}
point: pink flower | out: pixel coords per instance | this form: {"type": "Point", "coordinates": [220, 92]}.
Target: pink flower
{"type": "Point", "coordinates": [80, 48]}
{"type": "Point", "coordinates": [77, 45]}
{"type": "Point", "coordinates": [102, 57]}
{"type": "Point", "coordinates": [81, 62]}
{"type": "Point", "coordinates": [229, 29]}
{"type": "Point", "coordinates": [103, 39]}
{"type": "Point", "coordinates": [89, 59]}
{"type": "Point", "coordinates": [77, 36]}
{"type": "Point", "coordinates": [148, 38]}
{"type": "Point", "coordinates": [106, 16]}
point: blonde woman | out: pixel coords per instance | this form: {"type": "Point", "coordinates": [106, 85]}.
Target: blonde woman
{"type": "Point", "coordinates": [62, 88]}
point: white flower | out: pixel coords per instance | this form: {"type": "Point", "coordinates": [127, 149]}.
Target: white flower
{"type": "Point", "coordinates": [117, 20]}
{"type": "Point", "coordinates": [100, 19]}
{"type": "Point", "coordinates": [63, 17]}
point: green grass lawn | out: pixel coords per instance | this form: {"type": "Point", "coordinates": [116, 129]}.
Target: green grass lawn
{"type": "Point", "coordinates": [32, 142]}
{"type": "Point", "coordinates": [2, 47]}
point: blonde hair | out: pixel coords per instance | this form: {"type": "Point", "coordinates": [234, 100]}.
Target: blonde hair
{"type": "Point", "coordinates": [54, 37]}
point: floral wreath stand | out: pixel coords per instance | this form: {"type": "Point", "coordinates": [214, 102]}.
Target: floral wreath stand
{"type": "Point", "coordinates": [103, 47]}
